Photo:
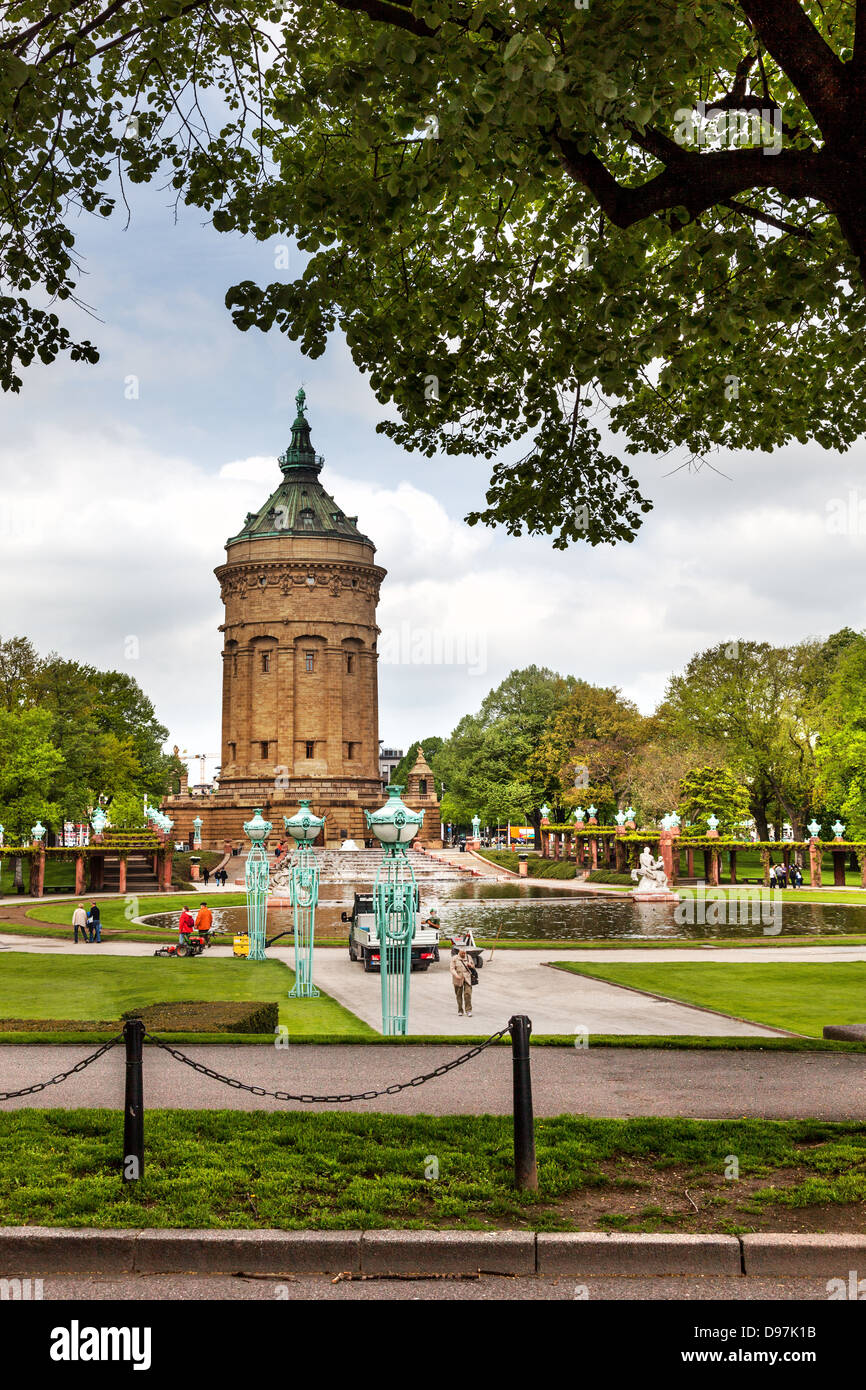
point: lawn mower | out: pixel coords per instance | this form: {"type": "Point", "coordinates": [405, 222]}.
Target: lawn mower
{"type": "Point", "coordinates": [193, 946]}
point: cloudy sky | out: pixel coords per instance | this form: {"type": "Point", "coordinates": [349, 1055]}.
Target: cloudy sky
{"type": "Point", "coordinates": [114, 511]}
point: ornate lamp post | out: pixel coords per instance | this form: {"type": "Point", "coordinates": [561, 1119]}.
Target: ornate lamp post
{"type": "Point", "coordinates": [620, 818]}
{"type": "Point", "coordinates": [98, 820]}
{"type": "Point", "coordinates": [838, 829]}
{"type": "Point", "coordinates": [196, 832]}
{"type": "Point", "coordinates": [37, 831]}
{"type": "Point", "coordinates": [257, 882]}
{"type": "Point", "coordinates": [395, 897]}
{"type": "Point", "coordinates": [476, 827]}
{"type": "Point", "coordinates": [813, 828]}
{"type": "Point", "coordinates": [303, 827]}
{"type": "Point", "coordinates": [712, 824]}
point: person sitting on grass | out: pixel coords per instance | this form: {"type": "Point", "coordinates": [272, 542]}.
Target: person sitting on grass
{"type": "Point", "coordinates": [184, 926]}
{"type": "Point", "coordinates": [79, 923]}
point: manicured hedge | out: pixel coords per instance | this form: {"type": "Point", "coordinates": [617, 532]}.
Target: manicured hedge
{"type": "Point", "coordinates": [609, 876]}
{"type": "Point", "coordinates": [209, 1016]}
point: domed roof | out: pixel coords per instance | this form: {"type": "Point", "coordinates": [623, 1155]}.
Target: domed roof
{"type": "Point", "coordinates": [300, 506]}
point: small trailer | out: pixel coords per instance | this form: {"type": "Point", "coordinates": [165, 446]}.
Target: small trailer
{"type": "Point", "coordinates": [364, 940]}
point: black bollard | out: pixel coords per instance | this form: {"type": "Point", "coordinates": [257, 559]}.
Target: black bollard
{"type": "Point", "coordinates": [525, 1168]}
{"type": "Point", "coordinates": [133, 1103]}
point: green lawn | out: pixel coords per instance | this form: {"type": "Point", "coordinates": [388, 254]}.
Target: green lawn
{"type": "Point", "coordinates": [799, 996]}
{"type": "Point", "coordinates": [348, 1171]}
{"type": "Point", "coordinates": [93, 987]}
{"type": "Point", "coordinates": [117, 914]}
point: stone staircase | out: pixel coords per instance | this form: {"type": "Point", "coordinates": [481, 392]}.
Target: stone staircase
{"type": "Point", "coordinates": [360, 866]}
{"type": "Point", "coordinates": [140, 877]}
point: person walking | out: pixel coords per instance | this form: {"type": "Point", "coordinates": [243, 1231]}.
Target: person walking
{"type": "Point", "coordinates": [462, 971]}
{"type": "Point", "coordinates": [79, 923]}
{"type": "Point", "coordinates": [205, 875]}
{"type": "Point", "coordinates": [184, 926]}
{"type": "Point", "coordinates": [94, 924]}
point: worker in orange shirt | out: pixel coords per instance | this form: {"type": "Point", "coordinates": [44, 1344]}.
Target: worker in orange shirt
{"type": "Point", "coordinates": [204, 919]}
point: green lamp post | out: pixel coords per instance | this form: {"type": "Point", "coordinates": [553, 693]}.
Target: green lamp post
{"type": "Point", "coordinates": [257, 882]}
{"type": "Point", "coordinates": [303, 827]}
{"type": "Point", "coordinates": [196, 832]}
{"type": "Point", "coordinates": [395, 904]}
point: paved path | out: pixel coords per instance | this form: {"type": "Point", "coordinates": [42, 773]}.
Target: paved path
{"type": "Point", "coordinates": [513, 982]}
{"type": "Point", "coordinates": [521, 982]}
{"type": "Point", "coordinates": [599, 1081]}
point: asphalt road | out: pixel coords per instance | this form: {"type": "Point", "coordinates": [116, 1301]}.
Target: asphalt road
{"type": "Point", "coordinates": [84, 1288]}
{"type": "Point", "coordinates": [587, 1081]}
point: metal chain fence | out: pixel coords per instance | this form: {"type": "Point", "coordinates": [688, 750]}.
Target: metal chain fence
{"type": "Point", "coordinates": [328, 1100]}
{"type": "Point", "coordinates": [62, 1075]}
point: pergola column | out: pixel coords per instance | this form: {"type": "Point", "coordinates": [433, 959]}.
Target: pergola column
{"type": "Point", "coordinates": [121, 874]}
{"type": "Point", "coordinates": [619, 852]}
{"type": "Point", "coordinates": [593, 851]}
{"type": "Point", "coordinates": [690, 862]}
{"type": "Point", "coordinates": [732, 859]}
{"type": "Point", "coordinates": [165, 868]}
{"type": "Point", "coordinates": [667, 857]}
{"type": "Point", "coordinates": [839, 868]}
{"type": "Point", "coordinates": [814, 863]}
{"type": "Point", "coordinates": [79, 874]}
{"type": "Point", "coordinates": [37, 873]}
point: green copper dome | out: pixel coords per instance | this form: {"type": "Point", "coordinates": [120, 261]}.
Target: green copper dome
{"type": "Point", "coordinates": [300, 506]}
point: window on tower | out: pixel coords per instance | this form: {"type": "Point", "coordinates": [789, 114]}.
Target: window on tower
{"type": "Point", "coordinates": [264, 746]}
{"type": "Point", "coordinates": [266, 661]}
{"type": "Point", "coordinates": [309, 661]}
{"type": "Point", "coordinates": [233, 752]}
{"type": "Point", "coordinates": [350, 663]}
{"type": "Point", "coordinates": [306, 518]}
{"type": "Point", "coordinates": [310, 749]}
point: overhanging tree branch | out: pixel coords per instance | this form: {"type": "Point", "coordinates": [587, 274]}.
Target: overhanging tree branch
{"type": "Point", "coordinates": [789, 35]}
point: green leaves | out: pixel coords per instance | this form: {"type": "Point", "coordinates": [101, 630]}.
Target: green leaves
{"type": "Point", "coordinates": [452, 238]}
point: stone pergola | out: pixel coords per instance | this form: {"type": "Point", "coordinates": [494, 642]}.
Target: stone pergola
{"type": "Point", "coordinates": [90, 860]}
{"type": "Point", "coordinates": [616, 848]}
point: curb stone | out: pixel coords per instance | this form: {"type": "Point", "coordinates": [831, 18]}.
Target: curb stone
{"type": "Point", "coordinates": [834, 1255]}
{"type": "Point", "coordinates": [45, 1250]}
{"type": "Point", "coordinates": [597, 1252]}
{"type": "Point", "coordinates": [448, 1252]}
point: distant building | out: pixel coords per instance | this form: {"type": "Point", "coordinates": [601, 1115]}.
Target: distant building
{"type": "Point", "coordinates": [389, 758]}
{"type": "Point", "coordinates": [300, 710]}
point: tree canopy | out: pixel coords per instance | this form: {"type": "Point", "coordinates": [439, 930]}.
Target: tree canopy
{"type": "Point", "coordinates": [532, 221]}
{"type": "Point", "coordinates": [70, 735]}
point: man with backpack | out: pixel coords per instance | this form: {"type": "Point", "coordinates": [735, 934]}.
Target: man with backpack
{"type": "Point", "coordinates": [464, 975]}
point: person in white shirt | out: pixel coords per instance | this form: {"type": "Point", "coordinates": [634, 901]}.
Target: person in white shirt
{"type": "Point", "coordinates": [79, 923]}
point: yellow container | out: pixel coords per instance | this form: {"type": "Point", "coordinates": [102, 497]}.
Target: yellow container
{"type": "Point", "coordinates": [241, 945]}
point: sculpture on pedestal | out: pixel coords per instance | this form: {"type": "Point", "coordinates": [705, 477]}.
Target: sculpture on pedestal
{"type": "Point", "coordinates": [650, 874]}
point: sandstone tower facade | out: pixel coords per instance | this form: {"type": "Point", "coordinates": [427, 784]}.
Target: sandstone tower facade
{"type": "Point", "coordinates": [299, 682]}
